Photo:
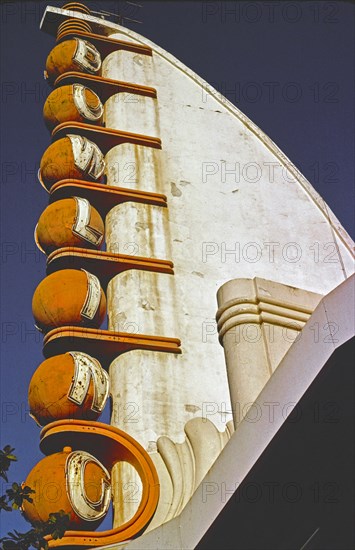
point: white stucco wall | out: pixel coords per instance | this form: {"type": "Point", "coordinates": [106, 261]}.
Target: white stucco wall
{"type": "Point", "coordinates": [231, 193]}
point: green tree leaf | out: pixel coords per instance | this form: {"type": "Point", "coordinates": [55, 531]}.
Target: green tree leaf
{"type": "Point", "coordinates": [56, 525]}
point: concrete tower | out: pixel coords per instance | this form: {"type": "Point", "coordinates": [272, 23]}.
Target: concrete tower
{"type": "Point", "coordinates": [210, 267]}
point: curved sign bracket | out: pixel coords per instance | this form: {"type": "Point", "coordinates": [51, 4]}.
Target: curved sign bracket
{"type": "Point", "coordinates": [109, 445]}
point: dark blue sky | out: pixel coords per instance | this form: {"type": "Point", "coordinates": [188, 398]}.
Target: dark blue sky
{"type": "Point", "coordinates": [289, 66]}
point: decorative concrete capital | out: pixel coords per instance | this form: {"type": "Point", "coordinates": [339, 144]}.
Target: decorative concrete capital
{"type": "Point", "coordinates": [258, 320]}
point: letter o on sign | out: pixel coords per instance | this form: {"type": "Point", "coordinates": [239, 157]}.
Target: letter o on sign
{"type": "Point", "coordinates": [101, 447]}
{"type": "Point", "coordinates": [89, 508]}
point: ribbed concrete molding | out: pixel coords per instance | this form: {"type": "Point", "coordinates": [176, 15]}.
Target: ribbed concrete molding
{"type": "Point", "coordinates": [180, 466]}
{"type": "Point", "coordinates": [258, 320]}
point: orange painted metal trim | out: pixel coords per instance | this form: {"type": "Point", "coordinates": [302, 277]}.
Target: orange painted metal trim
{"type": "Point", "coordinates": [109, 445]}
{"type": "Point", "coordinates": [104, 87]}
{"type": "Point", "coordinates": [107, 45]}
{"type": "Point", "coordinates": [104, 345]}
{"type": "Point", "coordinates": [103, 197]}
{"type": "Point", "coordinates": [77, 6]}
{"type": "Point", "coordinates": [105, 138]}
{"type": "Point", "coordinates": [105, 265]}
